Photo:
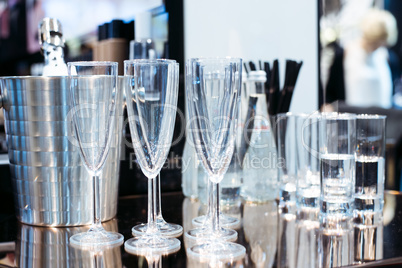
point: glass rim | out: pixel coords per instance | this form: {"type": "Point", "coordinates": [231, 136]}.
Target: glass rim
{"type": "Point", "coordinates": [149, 61]}
{"type": "Point", "coordinates": [371, 116]}
{"type": "Point", "coordinates": [338, 116]}
{"type": "Point", "coordinates": [228, 58]}
{"type": "Point", "coordinates": [315, 114]}
{"type": "Point", "coordinates": [92, 63]}
{"type": "Point", "coordinates": [287, 114]}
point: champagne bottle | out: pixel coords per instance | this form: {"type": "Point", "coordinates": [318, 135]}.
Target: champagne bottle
{"type": "Point", "coordinates": [52, 45]}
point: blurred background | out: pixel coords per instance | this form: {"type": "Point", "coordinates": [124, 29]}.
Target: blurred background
{"type": "Point", "coordinates": [319, 33]}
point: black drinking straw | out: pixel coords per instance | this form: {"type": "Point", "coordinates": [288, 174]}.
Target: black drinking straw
{"type": "Point", "coordinates": [274, 89]}
{"type": "Point", "coordinates": [252, 66]}
{"type": "Point", "coordinates": [245, 67]}
{"type": "Point", "coordinates": [282, 98]}
{"type": "Point", "coordinates": [288, 89]}
{"type": "Point", "coordinates": [267, 69]}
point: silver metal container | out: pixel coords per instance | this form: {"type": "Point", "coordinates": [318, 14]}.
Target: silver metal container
{"type": "Point", "coordinates": [49, 247]}
{"type": "Point", "coordinates": [51, 185]}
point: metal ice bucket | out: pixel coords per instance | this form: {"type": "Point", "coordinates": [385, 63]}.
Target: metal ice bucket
{"type": "Point", "coordinates": [51, 185]}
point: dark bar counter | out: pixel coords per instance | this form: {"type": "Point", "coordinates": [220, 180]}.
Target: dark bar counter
{"type": "Point", "coordinates": [31, 246]}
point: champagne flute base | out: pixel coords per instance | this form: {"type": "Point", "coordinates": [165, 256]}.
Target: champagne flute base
{"type": "Point", "coordinates": [199, 234]}
{"type": "Point", "coordinates": [216, 250]}
{"type": "Point", "coordinates": [96, 238]}
{"type": "Point", "coordinates": [224, 221]}
{"type": "Point", "coordinates": [165, 229]}
{"type": "Point", "coordinates": [152, 245]}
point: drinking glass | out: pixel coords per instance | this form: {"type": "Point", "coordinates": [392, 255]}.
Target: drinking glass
{"type": "Point", "coordinates": [152, 90]}
{"type": "Point", "coordinates": [337, 177]}
{"type": "Point", "coordinates": [370, 165]}
{"type": "Point", "coordinates": [93, 95]}
{"type": "Point", "coordinates": [166, 229]}
{"type": "Point", "coordinates": [287, 151]}
{"type": "Point", "coordinates": [213, 99]}
{"type": "Point", "coordinates": [369, 187]}
{"type": "Point", "coordinates": [337, 158]}
{"type": "Point", "coordinates": [308, 162]}
{"type": "Point", "coordinates": [307, 189]}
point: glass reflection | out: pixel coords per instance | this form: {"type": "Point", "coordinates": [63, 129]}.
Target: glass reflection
{"type": "Point", "coordinates": [49, 247]}
{"type": "Point", "coordinates": [260, 223]}
{"type": "Point", "coordinates": [101, 257]}
{"type": "Point", "coordinates": [368, 239]}
{"type": "Point", "coordinates": [287, 235]}
{"type": "Point", "coordinates": [154, 259]}
{"type": "Point", "coordinates": [284, 236]}
{"type": "Point", "coordinates": [335, 246]}
{"type": "Point", "coordinates": [307, 227]}
{"type": "Point", "coordinates": [238, 262]}
{"type": "Point", "coordinates": [190, 211]}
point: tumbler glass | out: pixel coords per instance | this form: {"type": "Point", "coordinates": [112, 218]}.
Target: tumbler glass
{"type": "Point", "coordinates": [287, 164]}
{"type": "Point", "coordinates": [308, 161]}
{"type": "Point", "coordinates": [337, 158]}
{"type": "Point", "coordinates": [307, 189]}
{"type": "Point", "coordinates": [370, 163]}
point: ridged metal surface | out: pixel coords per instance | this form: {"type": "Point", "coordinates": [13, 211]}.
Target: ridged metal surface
{"type": "Point", "coordinates": [40, 144]}
{"type": "Point", "coordinates": [51, 185]}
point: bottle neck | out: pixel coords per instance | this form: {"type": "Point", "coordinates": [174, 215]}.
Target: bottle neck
{"type": "Point", "coordinates": [54, 61]}
{"type": "Point", "coordinates": [54, 55]}
{"type": "Point", "coordinates": [256, 87]}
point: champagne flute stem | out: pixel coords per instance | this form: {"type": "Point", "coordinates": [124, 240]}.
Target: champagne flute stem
{"type": "Point", "coordinates": [210, 206]}
{"type": "Point", "coordinates": [158, 199]}
{"type": "Point", "coordinates": [97, 209]}
{"type": "Point", "coordinates": [152, 207]}
{"type": "Point", "coordinates": [216, 209]}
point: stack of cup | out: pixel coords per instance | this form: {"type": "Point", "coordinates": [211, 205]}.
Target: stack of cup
{"type": "Point", "coordinates": [331, 171]}
{"type": "Point", "coordinates": [307, 188]}
{"type": "Point", "coordinates": [338, 142]}
{"type": "Point", "coordinates": [308, 165]}
{"type": "Point", "coordinates": [370, 167]}
{"type": "Point", "coordinates": [337, 158]}
{"type": "Point", "coordinates": [287, 166]}
{"type": "Point", "coordinates": [369, 187]}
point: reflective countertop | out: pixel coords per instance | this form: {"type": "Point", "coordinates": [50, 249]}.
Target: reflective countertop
{"type": "Point", "coordinates": [271, 238]}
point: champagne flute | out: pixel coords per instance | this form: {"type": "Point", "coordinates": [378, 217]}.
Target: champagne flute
{"type": "Point", "coordinates": [151, 91]}
{"type": "Point", "coordinates": [166, 229]}
{"type": "Point", "coordinates": [213, 98]}
{"type": "Point", "coordinates": [224, 220]}
{"type": "Point", "coordinates": [93, 95]}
